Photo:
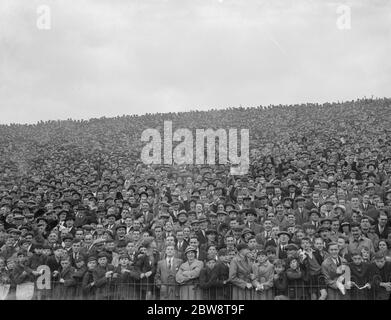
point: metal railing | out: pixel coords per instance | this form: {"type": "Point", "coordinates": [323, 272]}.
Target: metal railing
{"type": "Point", "coordinates": [114, 290]}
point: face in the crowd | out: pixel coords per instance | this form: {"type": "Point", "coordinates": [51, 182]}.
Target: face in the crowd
{"type": "Point", "coordinates": [229, 241]}
{"type": "Point", "coordinates": [212, 251]}
{"type": "Point", "coordinates": [79, 235]}
{"type": "Point", "coordinates": [314, 217]}
{"type": "Point", "coordinates": [268, 225]}
{"type": "Point", "coordinates": [333, 250]}
{"type": "Point", "coordinates": [341, 243]}
{"type": "Point", "coordinates": [270, 215]}
{"type": "Point", "coordinates": [315, 197]}
{"type": "Point", "coordinates": [102, 261]}
{"type": "Point", "coordinates": [293, 264]}
{"type": "Point", "coordinates": [335, 225]}
{"type": "Point", "coordinates": [193, 243]}
{"type": "Point", "coordinates": [291, 219]}
{"type": "Point", "coordinates": [190, 256]}
{"type": "Point", "coordinates": [136, 235]}
{"type": "Point", "coordinates": [283, 238]}
{"type": "Point", "coordinates": [76, 247]}
{"type": "Point", "coordinates": [262, 258]}
{"type": "Point", "coordinates": [380, 262]}
{"type": "Point", "coordinates": [91, 265]}
{"type": "Point", "coordinates": [382, 245]}
{"type": "Point", "coordinates": [158, 233]}
{"type": "Point", "coordinates": [356, 232]}
{"type": "Point", "coordinates": [186, 232]}
{"type": "Point", "coordinates": [130, 247]}
{"type": "Point", "coordinates": [280, 210]}
{"type": "Point", "coordinates": [382, 220]}
{"type": "Point", "coordinates": [52, 238]}
{"type": "Point", "coordinates": [355, 202]}
{"type": "Point", "coordinates": [319, 244]}
{"type": "Point", "coordinates": [252, 243]}
{"type": "Point", "coordinates": [65, 264]}
{"type": "Point", "coordinates": [170, 241]}
{"type": "Point", "coordinates": [170, 251]}
{"type": "Point", "coordinates": [88, 239]}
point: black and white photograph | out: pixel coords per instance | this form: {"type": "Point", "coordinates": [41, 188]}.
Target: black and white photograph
{"type": "Point", "coordinates": [215, 152]}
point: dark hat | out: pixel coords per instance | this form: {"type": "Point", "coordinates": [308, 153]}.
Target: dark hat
{"type": "Point", "coordinates": [321, 229]}
{"type": "Point", "coordinates": [91, 258]}
{"type": "Point", "coordinates": [325, 219]}
{"type": "Point", "coordinates": [209, 231]}
{"type": "Point", "coordinates": [291, 246]}
{"type": "Point", "coordinates": [182, 212]}
{"type": "Point", "coordinates": [250, 211]}
{"type": "Point", "coordinates": [120, 226]}
{"type": "Point", "coordinates": [314, 211]}
{"type": "Point", "coordinates": [102, 255]}
{"type": "Point", "coordinates": [13, 230]}
{"type": "Point", "coordinates": [70, 217]}
{"type": "Point", "coordinates": [299, 198]}
{"type": "Point", "coordinates": [345, 223]}
{"type": "Point", "coordinates": [247, 230]}
{"type": "Point", "coordinates": [189, 249]}
{"type": "Point", "coordinates": [223, 212]}
{"type": "Point", "coordinates": [328, 200]}
{"type": "Point", "coordinates": [284, 232]}
{"type": "Point", "coordinates": [68, 236]}
{"type": "Point", "coordinates": [222, 252]}
{"type": "Point", "coordinates": [242, 246]}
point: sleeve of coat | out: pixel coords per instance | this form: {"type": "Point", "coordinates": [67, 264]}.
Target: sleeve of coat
{"type": "Point", "coordinates": [180, 277]}
{"type": "Point", "coordinates": [99, 280]}
{"type": "Point", "coordinates": [158, 279]}
{"type": "Point", "coordinates": [255, 275]}
{"type": "Point", "coordinates": [326, 272]}
{"type": "Point", "coordinates": [195, 271]}
{"type": "Point", "coordinates": [269, 278]}
{"type": "Point", "coordinates": [233, 275]}
{"type": "Point", "coordinates": [205, 283]}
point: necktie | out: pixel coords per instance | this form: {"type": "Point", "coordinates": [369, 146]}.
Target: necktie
{"type": "Point", "coordinates": [169, 264]}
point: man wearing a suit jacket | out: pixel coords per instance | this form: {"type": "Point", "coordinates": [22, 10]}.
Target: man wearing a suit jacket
{"type": "Point", "coordinates": [315, 202]}
{"type": "Point", "coordinates": [301, 213]}
{"type": "Point", "coordinates": [181, 244]}
{"type": "Point", "coordinates": [332, 268]}
{"type": "Point", "coordinates": [165, 275]}
{"type": "Point", "coordinates": [251, 215]}
{"type": "Point", "coordinates": [381, 229]}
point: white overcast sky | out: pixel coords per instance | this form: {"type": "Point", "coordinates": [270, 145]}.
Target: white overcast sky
{"type": "Point", "coordinates": [115, 57]}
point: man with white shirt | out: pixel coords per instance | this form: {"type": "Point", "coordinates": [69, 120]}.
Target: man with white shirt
{"type": "Point", "coordinates": [165, 275]}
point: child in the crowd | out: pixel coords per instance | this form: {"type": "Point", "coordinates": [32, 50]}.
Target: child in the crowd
{"type": "Point", "coordinates": [360, 277]}
{"type": "Point", "coordinates": [78, 275]}
{"type": "Point", "coordinates": [103, 277]}
{"type": "Point", "coordinates": [263, 272]}
{"type": "Point", "coordinates": [125, 277]}
{"type": "Point", "coordinates": [64, 287]}
{"type": "Point", "coordinates": [280, 281]}
{"type": "Point", "coordinates": [88, 284]}
{"type": "Point", "coordinates": [366, 254]}
{"type": "Point", "coordinates": [381, 275]}
{"type": "Point", "coordinates": [313, 269]}
{"type": "Point", "coordinates": [295, 278]}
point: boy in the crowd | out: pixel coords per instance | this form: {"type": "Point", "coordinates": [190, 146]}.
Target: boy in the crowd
{"type": "Point", "coordinates": [381, 275]}
{"type": "Point", "coordinates": [88, 283]}
{"type": "Point", "coordinates": [102, 277]}
{"type": "Point", "coordinates": [124, 278]}
{"type": "Point", "coordinates": [280, 281]}
{"type": "Point", "coordinates": [360, 277]}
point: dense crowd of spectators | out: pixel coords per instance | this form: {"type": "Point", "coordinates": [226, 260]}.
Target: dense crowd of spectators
{"type": "Point", "coordinates": [310, 220]}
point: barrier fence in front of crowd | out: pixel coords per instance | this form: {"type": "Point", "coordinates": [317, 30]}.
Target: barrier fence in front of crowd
{"type": "Point", "coordinates": [115, 290]}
